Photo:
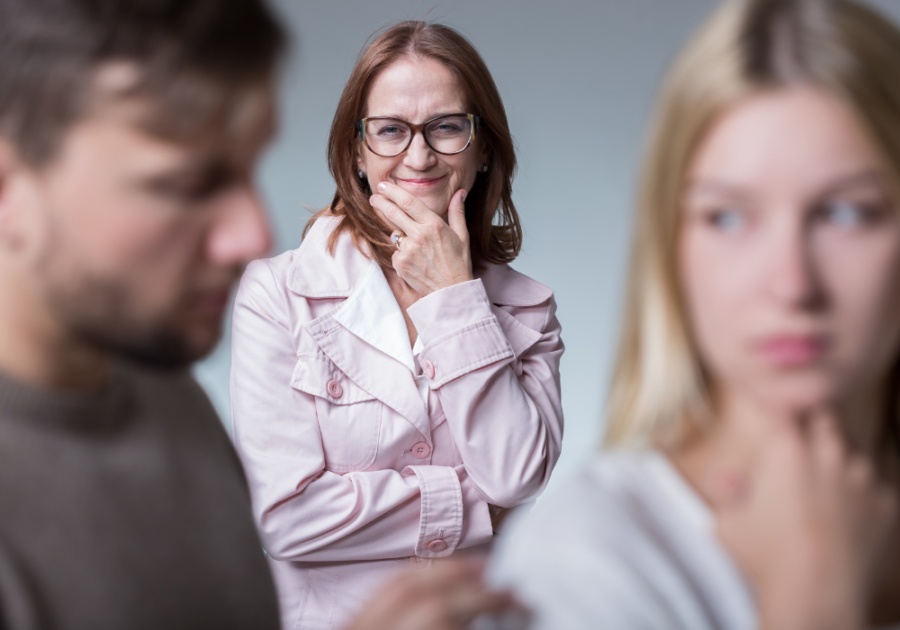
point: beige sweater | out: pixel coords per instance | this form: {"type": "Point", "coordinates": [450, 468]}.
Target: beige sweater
{"type": "Point", "coordinates": [125, 510]}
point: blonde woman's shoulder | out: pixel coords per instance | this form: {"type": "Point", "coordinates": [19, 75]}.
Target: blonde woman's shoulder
{"type": "Point", "coordinates": [623, 545]}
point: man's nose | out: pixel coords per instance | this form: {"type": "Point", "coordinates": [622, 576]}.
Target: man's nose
{"type": "Point", "coordinates": [241, 230]}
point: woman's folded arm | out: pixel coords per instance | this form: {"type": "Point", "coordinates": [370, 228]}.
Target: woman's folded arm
{"type": "Point", "coordinates": [303, 511]}
{"type": "Point", "coordinates": [504, 410]}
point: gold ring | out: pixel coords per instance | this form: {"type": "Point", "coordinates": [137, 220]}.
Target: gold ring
{"type": "Point", "coordinates": [397, 238]}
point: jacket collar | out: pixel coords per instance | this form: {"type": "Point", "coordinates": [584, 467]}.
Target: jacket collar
{"type": "Point", "coordinates": [315, 273]}
{"type": "Point", "coordinates": [372, 314]}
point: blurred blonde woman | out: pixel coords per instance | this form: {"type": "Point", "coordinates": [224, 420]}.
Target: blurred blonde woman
{"type": "Point", "coordinates": [751, 476]}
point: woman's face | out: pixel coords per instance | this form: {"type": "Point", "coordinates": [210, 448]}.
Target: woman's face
{"type": "Point", "coordinates": [417, 90]}
{"type": "Point", "coordinates": [789, 253]}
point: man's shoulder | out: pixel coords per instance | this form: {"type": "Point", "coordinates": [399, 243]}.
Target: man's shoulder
{"type": "Point", "coordinates": [19, 606]}
{"type": "Point", "coordinates": [173, 397]}
{"type": "Point", "coordinates": [171, 387]}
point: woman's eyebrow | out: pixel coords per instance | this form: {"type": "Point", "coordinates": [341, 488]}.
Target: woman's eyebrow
{"type": "Point", "coordinates": [430, 117]}
{"type": "Point", "coordinates": [715, 187]}
{"type": "Point", "coordinates": [864, 178]}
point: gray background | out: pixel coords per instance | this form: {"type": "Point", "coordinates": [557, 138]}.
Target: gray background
{"type": "Point", "coordinates": [578, 79]}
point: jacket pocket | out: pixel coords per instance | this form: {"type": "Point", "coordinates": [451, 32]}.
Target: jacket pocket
{"type": "Point", "coordinates": [349, 417]}
{"type": "Point", "coordinates": [317, 606]}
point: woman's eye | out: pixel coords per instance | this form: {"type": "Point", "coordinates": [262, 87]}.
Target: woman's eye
{"type": "Point", "coordinates": [391, 132]}
{"type": "Point", "coordinates": [728, 221]}
{"type": "Point", "coordinates": [847, 215]}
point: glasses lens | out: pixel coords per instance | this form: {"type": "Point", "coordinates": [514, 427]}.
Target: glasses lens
{"type": "Point", "coordinates": [450, 134]}
{"type": "Point", "coordinates": [387, 136]}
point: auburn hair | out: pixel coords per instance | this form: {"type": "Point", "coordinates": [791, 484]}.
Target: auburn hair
{"type": "Point", "coordinates": [495, 233]}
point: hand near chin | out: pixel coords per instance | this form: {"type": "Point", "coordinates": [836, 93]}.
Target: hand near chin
{"type": "Point", "coordinates": [432, 254]}
{"type": "Point", "coordinates": [808, 527]}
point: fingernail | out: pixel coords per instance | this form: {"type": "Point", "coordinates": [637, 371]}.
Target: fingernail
{"type": "Point", "coordinates": [465, 192]}
{"type": "Point", "coordinates": [382, 186]}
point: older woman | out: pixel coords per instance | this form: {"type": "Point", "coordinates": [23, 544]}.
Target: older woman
{"type": "Point", "coordinates": [754, 405]}
{"type": "Point", "coordinates": [395, 385]}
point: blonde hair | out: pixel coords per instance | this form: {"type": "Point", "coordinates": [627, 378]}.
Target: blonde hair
{"type": "Point", "coordinates": [660, 395]}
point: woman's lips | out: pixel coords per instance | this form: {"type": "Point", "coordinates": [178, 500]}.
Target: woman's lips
{"type": "Point", "coordinates": [793, 351]}
{"type": "Point", "coordinates": [422, 182]}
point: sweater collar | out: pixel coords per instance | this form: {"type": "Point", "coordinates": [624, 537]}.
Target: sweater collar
{"type": "Point", "coordinates": [75, 410]}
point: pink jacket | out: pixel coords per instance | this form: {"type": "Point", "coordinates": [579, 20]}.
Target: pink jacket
{"type": "Point", "coordinates": [356, 466]}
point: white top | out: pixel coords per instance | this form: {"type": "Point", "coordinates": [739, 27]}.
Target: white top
{"type": "Point", "coordinates": [627, 545]}
{"type": "Point", "coordinates": [373, 314]}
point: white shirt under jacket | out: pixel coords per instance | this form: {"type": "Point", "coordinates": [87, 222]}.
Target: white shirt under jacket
{"type": "Point", "coordinates": [363, 457]}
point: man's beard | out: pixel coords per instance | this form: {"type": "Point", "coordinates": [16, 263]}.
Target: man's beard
{"type": "Point", "coordinates": [101, 313]}
{"type": "Point", "coordinates": [161, 348]}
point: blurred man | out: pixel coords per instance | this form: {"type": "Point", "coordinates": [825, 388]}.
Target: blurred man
{"type": "Point", "coordinates": [129, 130]}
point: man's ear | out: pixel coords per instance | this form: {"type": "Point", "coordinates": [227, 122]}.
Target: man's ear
{"type": "Point", "coordinates": [11, 235]}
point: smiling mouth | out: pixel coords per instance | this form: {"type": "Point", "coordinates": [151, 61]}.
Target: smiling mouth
{"type": "Point", "coordinates": [422, 181]}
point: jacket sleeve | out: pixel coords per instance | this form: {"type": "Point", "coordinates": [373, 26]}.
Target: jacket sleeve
{"type": "Point", "coordinates": [303, 511]}
{"type": "Point", "coordinates": [504, 410]}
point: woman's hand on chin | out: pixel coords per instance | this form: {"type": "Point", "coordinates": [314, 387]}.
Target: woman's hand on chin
{"type": "Point", "coordinates": [808, 526]}
{"type": "Point", "coordinates": [433, 254]}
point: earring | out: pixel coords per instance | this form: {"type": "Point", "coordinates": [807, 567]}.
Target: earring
{"type": "Point", "coordinates": [484, 168]}
{"type": "Point", "coordinates": [362, 174]}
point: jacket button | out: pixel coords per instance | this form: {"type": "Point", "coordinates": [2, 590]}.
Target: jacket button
{"type": "Point", "coordinates": [437, 546]}
{"type": "Point", "coordinates": [418, 563]}
{"type": "Point", "coordinates": [428, 367]}
{"type": "Point", "coordinates": [335, 390]}
{"type": "Point", "coordinates": [421, 450]}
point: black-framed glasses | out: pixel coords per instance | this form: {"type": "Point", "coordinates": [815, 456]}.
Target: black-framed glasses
{"type": "Point", "coordinates": [448, 134]}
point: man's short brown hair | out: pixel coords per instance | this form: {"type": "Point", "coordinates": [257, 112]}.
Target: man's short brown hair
{"type": "Point", "coordinates": [198, 63]}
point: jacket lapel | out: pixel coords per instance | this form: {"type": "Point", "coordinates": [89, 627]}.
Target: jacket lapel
{"type": "Point", "coordinates": [388, 380]}
{"type": "Point", "coordinates": [365, 336]}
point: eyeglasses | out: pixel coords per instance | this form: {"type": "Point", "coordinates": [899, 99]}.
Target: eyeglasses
{"type": "Point", "coordinates": [447, 135]}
